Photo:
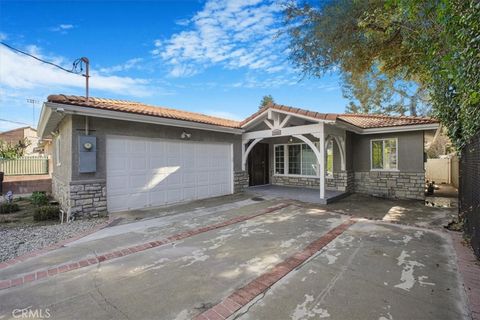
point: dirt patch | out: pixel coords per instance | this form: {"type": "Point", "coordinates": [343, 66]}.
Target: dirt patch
{"type": "Point", "coordinates": [23, 217]}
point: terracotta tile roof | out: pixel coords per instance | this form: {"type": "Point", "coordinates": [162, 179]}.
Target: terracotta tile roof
{"type": "Point", "coordinates": [364, 121]}
{"type": "Point", "coordinates": [303, 112]}
{"type": "Point", "coordinates": [143, 109]}
{"type": "Point", "coordinates": [368, 121]}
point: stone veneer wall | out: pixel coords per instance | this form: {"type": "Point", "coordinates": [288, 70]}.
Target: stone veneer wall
{"type": "Point", "coordinates": [293, 181]}
{"type": "Point", "coordinates": [350, 181]}
{"type": "Point", "coordinates": [340, 181]}
{"type": "Point", "coordinates": [83, 198]}
{"type": "Point", "coordinates": [396, 185]}
{"type": "Point", "coordinates": [60, 191]}
{"type": "Point", "coordinates": [240, 181]}
{"type": "Point", "coordinates": [88, 198]}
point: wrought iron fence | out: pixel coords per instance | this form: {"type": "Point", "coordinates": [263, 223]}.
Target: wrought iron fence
{"type": "Point", "coordinates": [24, 166]}
{"type": "Point", "coordinates": [469, 191]}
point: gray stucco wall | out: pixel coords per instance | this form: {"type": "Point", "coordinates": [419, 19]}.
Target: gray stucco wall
{"type": "Point", "coordinates": [102, 127]}
{"type": "Point", "coordinates": [406, 183]}
{"type": "Point", "coordinates": [63, 170]}
{"type": "Point", "coordinates": [61, 175]}
{"type": "Point", "coordinates": [410, 150]}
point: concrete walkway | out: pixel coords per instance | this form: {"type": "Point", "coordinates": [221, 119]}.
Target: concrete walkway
{"type": "Point", "coordinates": [368, 270]}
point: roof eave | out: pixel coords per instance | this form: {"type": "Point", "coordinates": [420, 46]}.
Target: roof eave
{"type": "Point", "coordinates": [404, 128]}
{"type": "Point", "coordinates": [260, 116]}
{"type": "Point", "coordinates": [127, 116]}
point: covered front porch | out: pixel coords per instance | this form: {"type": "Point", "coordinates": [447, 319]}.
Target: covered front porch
{"type": "Point", "coordinates": [302, 157]}
{"type": "Point", "coordinates": [297, 193]}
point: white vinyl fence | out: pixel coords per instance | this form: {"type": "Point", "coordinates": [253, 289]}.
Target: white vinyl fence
{"type": "Point", "coordinates": [24, 166]}
{"type": "Point", "coordinates": [442, 170]}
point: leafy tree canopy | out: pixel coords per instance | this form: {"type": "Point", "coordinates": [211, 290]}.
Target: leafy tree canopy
{"type": "Point", "coordinates": [381, 45]}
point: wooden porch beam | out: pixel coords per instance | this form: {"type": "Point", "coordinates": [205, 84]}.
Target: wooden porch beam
{"type": "Point", "coordinates": [289, 131]}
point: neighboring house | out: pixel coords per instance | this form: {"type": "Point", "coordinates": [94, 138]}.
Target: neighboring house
{"type": "Point", "coordinates": [15, 135]}
{"type": "Point", "coordinates": [112, 155]}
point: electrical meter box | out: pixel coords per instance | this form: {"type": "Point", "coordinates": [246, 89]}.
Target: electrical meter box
{"type": "Point", "coordinates": [87, 154]}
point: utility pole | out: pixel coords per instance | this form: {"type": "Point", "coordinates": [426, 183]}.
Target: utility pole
{"type": "Point", "coordinates": [86, 75]}
{"type": "Point", "coordinates": [33, 102]}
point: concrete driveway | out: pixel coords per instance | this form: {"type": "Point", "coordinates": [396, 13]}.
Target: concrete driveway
{"type": "Point", "coordinates": [239, 258]}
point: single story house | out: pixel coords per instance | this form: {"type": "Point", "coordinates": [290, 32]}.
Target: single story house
{"type": "Point", "coordinates": [112, 155]}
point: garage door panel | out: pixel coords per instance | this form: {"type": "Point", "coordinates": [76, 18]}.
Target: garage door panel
{"type": "Point", "coordinates": [137, 183]}
{"type": "Point", "coordinates": [117, 146]}
{"type": "Point", "coordinates": [137, 200]}
{"type": "Point", "coordinates": [145, 172]}
{"type": "Point", "coordinates": [189, 193]}
{"type": "Point", "coordinates": [117, 164]}
{"type": "Point", "coordinates": [138, 162]}
{"type": "Point", "coordinates": [157, 162]}
{"type": "Point", "coordinates": [189, 178]}
{"type": "Point", "coordinates": [117, 185]}
{"type": "Point", "coordinates": [117, 202]}
{"type": "Point", "coordinates": [174, 195]}
{"type": "Point", "coordinates": [157, 147]}
{"type": "Point", "coordinates": [138, 146]}
{"type": "Point", "coordinates": [157, 198]}
{"type": "Point", "coordinates": [202, 192]}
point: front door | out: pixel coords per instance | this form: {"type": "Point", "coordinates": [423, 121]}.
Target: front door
{"type": "Point", "coordinates": [258, 165]}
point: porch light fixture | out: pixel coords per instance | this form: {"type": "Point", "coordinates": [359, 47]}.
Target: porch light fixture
{"type": "Point", "coordinates": [185, 135]}
{"type": "Point", "coordinates": [290, 140]}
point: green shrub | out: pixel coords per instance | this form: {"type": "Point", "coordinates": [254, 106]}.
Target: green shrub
{"type": "Point", "coordinates": [46, 213]}
{"type": "Point", "coordinates": [39, 198]}
{"type": "Point", "coordinates": [8, 207]}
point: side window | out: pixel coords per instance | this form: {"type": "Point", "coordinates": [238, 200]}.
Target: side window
{"type": "Point", "coordinates": [279, 159]}
{"type": "Point", "coordinates": [383, 154]}
{"type": "Point", "coordinates": [57, 150]}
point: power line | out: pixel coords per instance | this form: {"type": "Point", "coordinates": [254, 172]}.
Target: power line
{"type": "Point", "coordinates": [77, 66]}
{"type": "Point", "coordinates": [76, 63]}
{"type": "Point", "coordinates": [15, 122]}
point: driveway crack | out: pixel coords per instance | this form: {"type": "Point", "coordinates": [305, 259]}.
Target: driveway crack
{"type": "Point", "coordinates": [105, 299]}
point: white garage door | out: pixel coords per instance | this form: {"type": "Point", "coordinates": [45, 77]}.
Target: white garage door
{"type": "Point", "coordinates": [144, 172]}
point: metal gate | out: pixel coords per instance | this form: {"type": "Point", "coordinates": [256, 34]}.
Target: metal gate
{"type": "Point", "coordinates": [469, 191]}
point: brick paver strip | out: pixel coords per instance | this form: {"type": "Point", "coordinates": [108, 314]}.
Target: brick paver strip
{"type": "Point", "coordinates": [40, 274]}
{"type": "Point", "coordinates": [244, 295]}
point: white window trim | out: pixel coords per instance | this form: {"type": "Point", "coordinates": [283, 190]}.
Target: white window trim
{"type": "Point", "coordinates": [285, 162]}
{"type": "Point", "coordinates": [57, 150]}
{"type": "Point", "coordinates": [383, 146]}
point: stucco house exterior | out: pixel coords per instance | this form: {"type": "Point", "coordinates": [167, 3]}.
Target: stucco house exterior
{"type": "Point", "coordinates": [115, 155]}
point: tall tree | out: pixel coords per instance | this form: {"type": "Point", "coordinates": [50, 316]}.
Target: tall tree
{"type": "Point", "coordinates": [268, 99]}
{"type": "Point", "coordinates": [374, 92]}
{"type": "Point", "coordinates": [433, 43]}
